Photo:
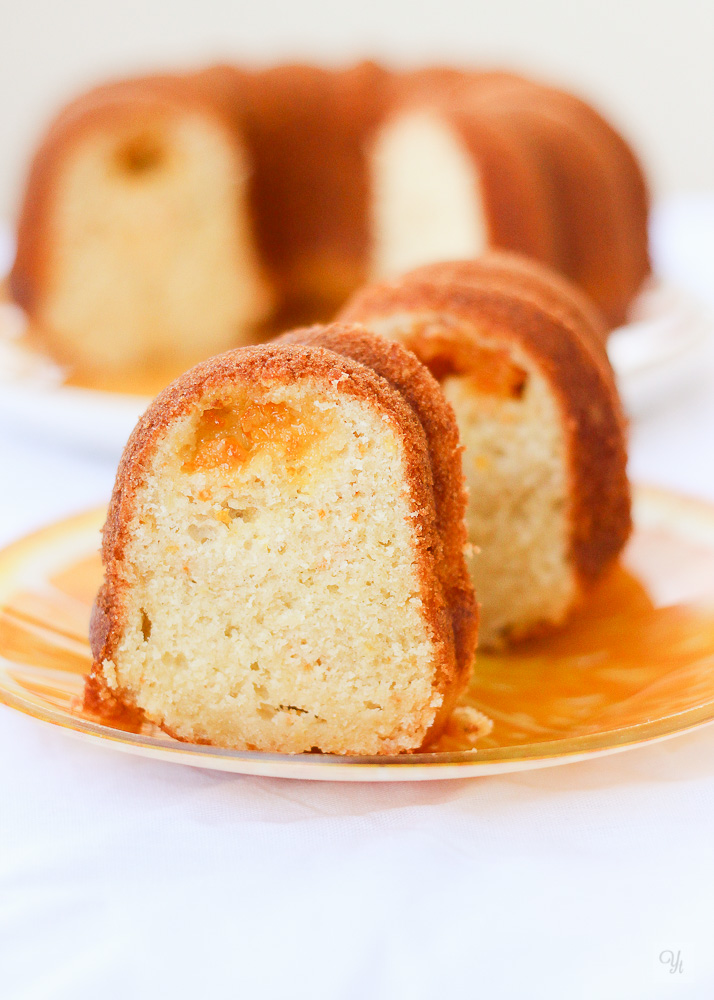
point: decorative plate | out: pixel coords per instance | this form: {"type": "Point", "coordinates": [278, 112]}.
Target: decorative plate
{"type": "Point", "coordinates": [634, 666]}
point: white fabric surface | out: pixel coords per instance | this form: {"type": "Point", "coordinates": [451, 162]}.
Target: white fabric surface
{"type": "Point", "coordinates": [122, 877]}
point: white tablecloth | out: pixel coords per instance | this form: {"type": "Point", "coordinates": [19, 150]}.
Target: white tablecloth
{"type": "Point", "coordinates": [122, 877]}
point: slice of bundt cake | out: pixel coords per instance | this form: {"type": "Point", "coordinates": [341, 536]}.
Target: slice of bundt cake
{"type": "Point", "coordinates": [135, 243]}
{"type": "Point", "coordinates": [523, 366]}
{"type": "Point", "coordinates": [450, 182]}
{"type": "Point", "coordinates": [283, 554]}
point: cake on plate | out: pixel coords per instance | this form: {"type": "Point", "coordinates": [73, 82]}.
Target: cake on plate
{"type": "Point", "coordinates": [283, 553]}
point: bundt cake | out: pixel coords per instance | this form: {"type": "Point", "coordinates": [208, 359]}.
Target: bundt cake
{"type": "Point", "coordinates": [521, 361]}
{"type": "Point", "coordinates": [283, 554]}
{"type": "Point", "coordinates": [168, 218]}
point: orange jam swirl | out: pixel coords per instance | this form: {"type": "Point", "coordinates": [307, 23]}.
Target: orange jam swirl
{"type": "Point", "coordinates": [491, 370]}
{"type": "Point", "coordinates": [226, 438]}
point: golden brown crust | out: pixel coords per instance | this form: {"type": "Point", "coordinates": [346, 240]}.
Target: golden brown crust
{"type": "Point", "coordinates": [518, 208]}
{"type": "Point", "coordinates": [268, 365]}
{"type": "Point", "coordinates": [529, 279]}
{"type": "Point", "coordinates": [597, 188]}
{"type": "Point", "coordinates": [568, 356]}
{"type": "Point", "coordinates": [307, 130]}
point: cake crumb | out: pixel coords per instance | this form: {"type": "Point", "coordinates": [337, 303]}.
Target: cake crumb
{"type": "Point", "coordinates": [468, 725]}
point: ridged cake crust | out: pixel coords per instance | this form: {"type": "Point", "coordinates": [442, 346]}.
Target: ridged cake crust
{"type": "Point", "coordinates": [584, 202]}
{"type": "Point", "coordinates": [555, 180]}
{"type": "Point", "coordinates": [594, 181]}
{"type": "Point", "coordinates": [308, 130]}
{"type": "Point", "coordinates": [524, 310]}
{"type": "Point", "coordinates": [447, 605]}
{"type": "Point", "coordinates": [517, 276]}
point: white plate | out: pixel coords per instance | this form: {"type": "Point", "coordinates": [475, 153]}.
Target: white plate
{"type": "Point", "coordinates": [34, 396]}
{"type": "Point", "coordinates": [653, 356]}
{"type": "Point", "coordinates": [669, 335]}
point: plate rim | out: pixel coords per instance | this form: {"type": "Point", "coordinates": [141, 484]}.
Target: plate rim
{"type": "Point", "coordinates": [408, 766]}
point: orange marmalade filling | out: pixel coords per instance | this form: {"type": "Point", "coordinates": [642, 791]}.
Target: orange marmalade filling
{"type": "Point", "coordinates": [226, 437]}
{"type": "Point", "coordinates": [139, 155]}
{"type": "Point", "coordinates": [491, 370]}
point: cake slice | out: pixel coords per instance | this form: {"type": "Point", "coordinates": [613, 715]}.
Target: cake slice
{"type": "Point", "coordinates": [449, 181]}
{"type": "Point", "coordinates": [523, 365]}
{"type": "Point", "coordinates": [277, 575]}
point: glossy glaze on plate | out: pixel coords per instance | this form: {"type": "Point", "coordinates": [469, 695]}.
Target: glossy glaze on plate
{"type": "Point", "coordinates": [635, 665]}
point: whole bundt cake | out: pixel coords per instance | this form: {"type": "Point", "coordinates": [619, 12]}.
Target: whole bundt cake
{"type": "Point", "coordinates": [283, 554]}
{"type": "Point", "coordinates": [520, 358]}
{"type": "Point", "coordinates": [168, 218]}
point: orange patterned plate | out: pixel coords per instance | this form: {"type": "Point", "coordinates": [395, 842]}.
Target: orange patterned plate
{"type": "Point", "coordinates": [634, 666]}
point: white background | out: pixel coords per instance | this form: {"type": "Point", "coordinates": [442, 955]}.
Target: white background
{"type": "Point", "coordinates": [647, 63]}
